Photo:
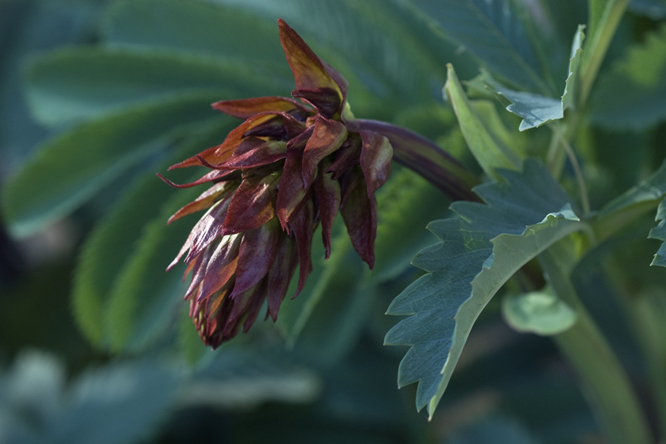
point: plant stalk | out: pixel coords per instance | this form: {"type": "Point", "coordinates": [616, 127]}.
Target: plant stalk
{"type": "Point", "coordinates": [608, 387]}
{"type": "Point", "coordinates": [427, 159]}
{"type": "Point", "coordinates": [607, 384]}
{"type": "Point", "coordinates": [595, 50]}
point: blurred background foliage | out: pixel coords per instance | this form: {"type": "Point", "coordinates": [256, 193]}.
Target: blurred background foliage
{"type": "Point", "coordinates": [96, 346]}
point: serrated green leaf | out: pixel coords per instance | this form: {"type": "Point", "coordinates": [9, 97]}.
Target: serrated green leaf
{"type": "Point", "coordinates": [633, 93]}
{"type": "Point", "coordinates": [533, 108]}
{"type": "Point", "coordinates": [536, 109]}
{"type": "Point", "coordinates": [74, 166]}
{"type": "Point", "coordinates": [144, 300]}
{"type": "Point", "coordinates": [637, 200]}
{"type": "Point", "coordinates": [571, 84]}
{"type": "Point", "coordinates": [481, 248]}
{"type": "Point", "coordinates": [114, 239]}
{"type": "Point", "coordinates": [540, 312]}
{"type": "Point", "coordinates": [659, 232]}
{"type": "Point", "coordinates": [488, 148]}
{"type": "Point", "coordinates": [405, 205]}
{"type": "Point", "coordinates": [79, 84]}
{"type": "Point", "coordinates": [493, 32]}
{"type": "Point", "coordinates": [351, 35]}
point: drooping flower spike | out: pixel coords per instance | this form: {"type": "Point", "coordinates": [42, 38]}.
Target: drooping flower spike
{"type": "Point", "coordinates": [291, 166]}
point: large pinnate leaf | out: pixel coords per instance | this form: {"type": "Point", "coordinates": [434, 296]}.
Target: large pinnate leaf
{"type": "Point", "coordinates": [633, 93]}
{"type": "Point", "coordinates": [480, 249]}
{"type": "Point", "coordinates": [80, 84]}
{"type": "Point", "coordinates": [114, 239]}
{"type": "Point", "coordinates": [659, 232]}
{"type": "Point", "coordinates": [536, 109]}
{"type": "Point", "coordinates": [491, 30]}
{"type": "Point", "coordinates": [348, 34]}
{"type": "Point", "coordinates": [637, 200]}
{"type": "Point", "coordinates": [195, 28]}
{"type": "Point", "coordinates": [76, 165]}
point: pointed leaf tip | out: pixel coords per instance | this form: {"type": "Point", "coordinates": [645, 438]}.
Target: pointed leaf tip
{"type": "Point", "coordinates": [309, 71]}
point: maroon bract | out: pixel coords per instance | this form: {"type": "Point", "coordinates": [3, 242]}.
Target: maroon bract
{"type": "Point", "coordinates": [289, 167]}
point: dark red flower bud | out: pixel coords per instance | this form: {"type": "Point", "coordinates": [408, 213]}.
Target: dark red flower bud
{"type": "Point", "coordinates": [289, 167]}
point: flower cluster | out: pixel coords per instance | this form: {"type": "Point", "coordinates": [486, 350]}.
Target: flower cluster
{"type": "Point", "coordinates": [291, 166]}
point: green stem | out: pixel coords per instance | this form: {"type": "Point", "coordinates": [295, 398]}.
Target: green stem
{"type": "Point", "coordinates": [607, 225]}
{"type": "Point", "coordinates": [609, 388]}
{"type": "Point", "coordinates": [579, 176]}
{"type": "Point", "coordinates": [598, 42]}
{"type": "Point", "coordinates": [610, 392]}
{"type": "Point", "coordinates": [555, 156]}
{"type": "Point", "coordinates": [649, 312]}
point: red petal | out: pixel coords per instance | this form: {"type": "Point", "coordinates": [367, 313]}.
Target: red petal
{"type": "Point", "coordinates": [309, 71]}
{"type": "Point", "coordinates": [359, 212]}
{"type": "Point", "coordinates": [205, 200]}
{"type": "Point", "coordinates": [223, 151]}
{"type": "Point", "coordinates": [211, 176]}
{"type": "Point", "coordinates": [347, 157]}
{"type": "Point", "coordinates": [252, 204]}
{"type": "Point", "coordinates": [207, 229]}
{"type": "Point", "coordinates": [199, 232]}
{"type": "Point", "coordinates": [257, 302]}
{"type": "Point", "coordinates": [183, 249]}
{"type": "Point", "coordinates": [282, 126]}
{"type": "Point", "coordinates": [303, 226]}
{"type": "Point", "coordinates": [215, 300]}
{"type": "Point", "coordinates": [199, 269]}
{"type": "Point", "coordinates": [212, 331]}
{"type": "Point", "coordinates": [291, 191]}
{"type": "Point", "coordinates": [376, 158]}
{"type": "Point", "coordinates": [327, 137]}
{"type": "Point", "coordinates": [327, 191]}
{"type": "Point", "coordinates": [272, 128]}
{"type": "Point", "coordinates": [340, 81]}
{"type": "Point", "coordinates": [221, 266]}
{"type": "Point", "coordinates": [239, 306]}
{"type": "Point", "coordinates": [246, 108]}
{"type": "Point", "coordinates": [244, 307]}
{"type": "Point", "coordinates": [325, 100]}
{"type": "Point", "coordinates": [257, 254]}
{"type": "Point", "coordinates": [191, 267]}
{"type": "Point", "coordinates": [264, 154]}
{"type": "Point", "coordinates": [280, 274]}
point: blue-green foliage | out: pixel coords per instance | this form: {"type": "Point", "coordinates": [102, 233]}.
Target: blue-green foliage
{"type": "Point", "coordinates": [479, 249]}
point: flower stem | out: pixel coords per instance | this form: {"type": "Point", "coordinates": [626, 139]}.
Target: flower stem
{"type": "Point", "coordinates": [608, 387]}
{"type": "Point", "coordinates": [427, 159]}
